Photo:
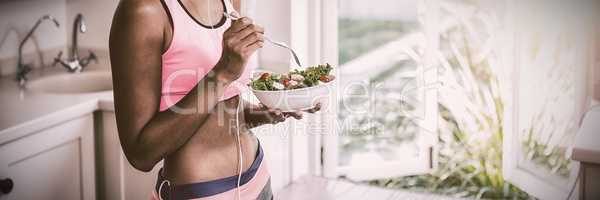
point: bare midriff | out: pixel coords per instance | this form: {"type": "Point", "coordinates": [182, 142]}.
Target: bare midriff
{"type": "Point", "coordinates": [212, 153]}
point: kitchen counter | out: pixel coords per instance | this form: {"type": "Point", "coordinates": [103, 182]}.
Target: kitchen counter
{"type": "Point", "coordinates": [25, 112]}
{"type": "Point", "coordinates": [587, 148]}
{"type": "Point", "coordinates": [587, 151]}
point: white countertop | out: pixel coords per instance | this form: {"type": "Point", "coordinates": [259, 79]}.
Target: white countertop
{"type": "Point", "coordinates": [587, 141]}
{"type": "Point", "coordinates": [25, 112]}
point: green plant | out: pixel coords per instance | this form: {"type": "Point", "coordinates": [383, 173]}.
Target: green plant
{"type": "Point", "coordinates": [541, 154]}
{"type": "Point", "coordinates": [470, 129]}
{"type": "Point", "coordinates": [470, 121]}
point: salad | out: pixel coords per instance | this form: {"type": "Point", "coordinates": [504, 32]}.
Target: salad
{"type": "Point", "coordinates": [296, 79]}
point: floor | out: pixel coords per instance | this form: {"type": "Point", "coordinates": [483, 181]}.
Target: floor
{"type": "Point", "coordinates": [318, 188]}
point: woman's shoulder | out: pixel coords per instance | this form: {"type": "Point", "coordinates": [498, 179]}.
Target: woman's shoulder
{"type": "Point", "coordinates": [141, 9]}
{"type": "Point", "coordinates": [142, 20]}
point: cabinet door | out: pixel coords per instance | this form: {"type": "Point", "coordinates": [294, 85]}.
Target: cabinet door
{"type": "Point", "coordinates": [55, 163]}
{"type": "Point", "coordinates": [117, 179]}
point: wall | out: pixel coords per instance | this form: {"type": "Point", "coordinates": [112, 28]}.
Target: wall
{"type": "Point", "coordinates": [274, 16]}
{"type": "Point", "coordinates": [98, 16]}
{"type": "Point", "coordinates": [17, 18]}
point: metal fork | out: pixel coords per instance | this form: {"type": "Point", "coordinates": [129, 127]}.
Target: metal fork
{"type": "Point", "coordinates": [279, 44]}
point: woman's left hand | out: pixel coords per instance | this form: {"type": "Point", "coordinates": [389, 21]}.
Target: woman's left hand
{"type": "Point", "coordinates": [260, 115]}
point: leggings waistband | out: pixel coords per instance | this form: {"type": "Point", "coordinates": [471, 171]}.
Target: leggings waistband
{"type": "Point", "coordinates": [205, 189]}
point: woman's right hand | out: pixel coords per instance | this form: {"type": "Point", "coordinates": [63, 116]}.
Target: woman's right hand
{"type": "Point", "coordinates": [240, 41]}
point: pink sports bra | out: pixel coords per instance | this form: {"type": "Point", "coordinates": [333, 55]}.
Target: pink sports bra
{"type": "Point", "coordinates": [194, 50]}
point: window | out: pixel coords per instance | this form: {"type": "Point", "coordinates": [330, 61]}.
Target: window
{"type": "Point", "coordinates": [387, 104]}
{"type": "Point", "coordinates": [390, 68]}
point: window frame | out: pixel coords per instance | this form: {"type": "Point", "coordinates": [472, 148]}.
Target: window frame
{"type": "Point", "coordinates": [328, 43]}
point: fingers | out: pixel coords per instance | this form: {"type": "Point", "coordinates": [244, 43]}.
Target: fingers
{"type": "Point", "coordinates": [251, 35]}
{"type": "Point", "coordinates": [276, 116]}
{"type": "Point", "coordinates": [244, 38]}
{"type": "Point", "coordinates": [251, 39]}
{"type": "Point", "coordinates": [296, 115]}
{"type": "Point", "coordinates": [255, 46]}
{"type": "Point", "coordinates": [314, 109]}
{"type": "Point", "coordinates": [240, 24]}
{"type": "Point", "coordinates": [279, 116]}
{"type": "Point", "coordinates": [249, 30]}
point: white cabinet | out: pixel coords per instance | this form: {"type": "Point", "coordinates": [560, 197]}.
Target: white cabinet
{"type": "Point", "coordinates": [54, 163]}
{"type": "Point", "coordinates": [117, 179]}
{"type": "Point", "coordinates": [587, 151]}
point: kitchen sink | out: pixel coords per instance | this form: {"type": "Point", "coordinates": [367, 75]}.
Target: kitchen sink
{"type": "Point", "coordinates": [77, 83]}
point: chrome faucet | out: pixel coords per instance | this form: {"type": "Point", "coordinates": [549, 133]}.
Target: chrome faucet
{"type": "Point", "coordinates": [23, 69]}
{"type": "Point", "coordinates": [74, 63]}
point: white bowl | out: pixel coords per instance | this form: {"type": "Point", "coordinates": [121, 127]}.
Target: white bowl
{"type": "Point", "coordinates": [296, 99]}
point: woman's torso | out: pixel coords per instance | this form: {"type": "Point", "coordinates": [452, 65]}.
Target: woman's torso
{"type": "Point", "coordinates": [193, 51]}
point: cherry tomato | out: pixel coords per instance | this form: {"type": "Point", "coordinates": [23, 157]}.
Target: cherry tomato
{"type": "Point", "coordinates": [324, 78]}
{"type": "Point", "coordinates": [286, 82]}
{"type": "Point", "coordinates": [264, 76]}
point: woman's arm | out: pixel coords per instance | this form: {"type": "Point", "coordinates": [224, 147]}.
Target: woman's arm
{"type": "Point", "coordinates": [136, 44]}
